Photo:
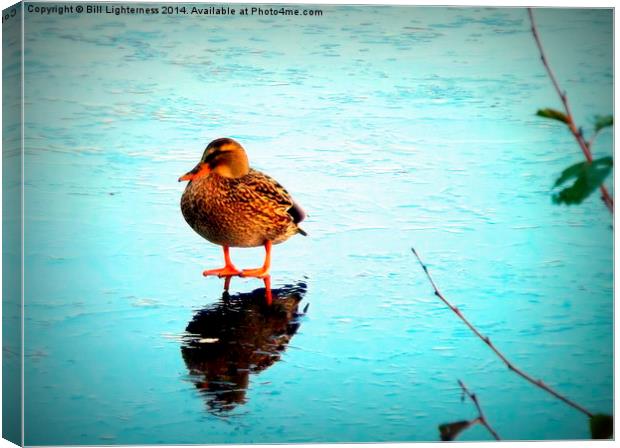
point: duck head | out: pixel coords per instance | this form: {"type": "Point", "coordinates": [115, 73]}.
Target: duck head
{"type": "Point", "coordinates": [223, 156]}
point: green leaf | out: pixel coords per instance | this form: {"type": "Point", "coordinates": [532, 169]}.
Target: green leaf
{"type": "Point", "coordinates": [602, 426]}
{"type": "Point", "coordinates": [553, 114]}
{"type": "Point", "coordinates": [603, 121]}
{"type": "Point", "coordinates": [588, 177]}
{"type": "Point", "coordinates": [449, 431]}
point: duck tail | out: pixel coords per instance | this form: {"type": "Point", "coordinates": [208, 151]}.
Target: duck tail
{"type": "Point", "coordinates": [297, 213]}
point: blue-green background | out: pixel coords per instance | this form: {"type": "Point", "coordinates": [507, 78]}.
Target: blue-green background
{"type": "Point", "coordinates": [394, 127]}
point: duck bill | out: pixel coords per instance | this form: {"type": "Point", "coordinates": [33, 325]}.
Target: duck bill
{"type": "Point", "coordinates": [200, 170]}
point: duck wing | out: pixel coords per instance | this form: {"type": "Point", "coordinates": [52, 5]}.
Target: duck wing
{"type": "Point", "coordinates": [267, 193]}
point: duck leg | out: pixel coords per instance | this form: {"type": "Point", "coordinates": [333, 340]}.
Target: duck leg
{"type": "Point", "coordinates": [263, 271]}
{"type": "Point", "coordinates": [228, 270]}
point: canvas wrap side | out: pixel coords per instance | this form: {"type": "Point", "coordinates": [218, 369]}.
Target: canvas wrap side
{"type": "Point", "coordinates": [12, 234]}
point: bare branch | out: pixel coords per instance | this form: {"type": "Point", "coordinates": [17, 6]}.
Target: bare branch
{"type": "Point", "coordinates": [500, 355]}
{"type": "Point", "coordinates": [585, 147]}
{"type": "Point", "coordinates": [481, 418]}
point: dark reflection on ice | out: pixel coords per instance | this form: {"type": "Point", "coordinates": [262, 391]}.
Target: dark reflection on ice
{"type": "Point", "coordinates": [239, 335]}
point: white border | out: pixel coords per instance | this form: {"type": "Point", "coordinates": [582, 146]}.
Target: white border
{"type": "Point", "coordinates": [514, 3]}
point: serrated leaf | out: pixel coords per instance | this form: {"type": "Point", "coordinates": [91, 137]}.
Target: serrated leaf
{"type": "Point", "coordinates": [588, 177]}
{"type": "Point", "coordinates": [449, 431]}
{"type": "Point", "coordinates": [602, 426]}
{"type": "Point", "coordinates": [553, 114]}
{"type": "Point", "coordinates": [603, 121]}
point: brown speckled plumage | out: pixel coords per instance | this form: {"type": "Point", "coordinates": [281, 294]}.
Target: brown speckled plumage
{"type": "Point", "coordinates": [246, 211]}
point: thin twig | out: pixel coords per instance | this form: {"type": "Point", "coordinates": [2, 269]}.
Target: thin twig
{"type": "Point", "coordinates": [591, 141]}
{"type": "Point", "coordinates": [481, 418]}
{"type": "Point", "coordinates": [585, 147]}
{"type": "Point", "coordinates": [487, 341]}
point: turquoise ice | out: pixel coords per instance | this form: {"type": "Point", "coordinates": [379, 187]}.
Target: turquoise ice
{"type": "Point", "coordinates": [394, 127]}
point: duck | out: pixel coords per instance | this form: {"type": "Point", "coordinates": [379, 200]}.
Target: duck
{"type": "Point", "coordinates": [230, 204]}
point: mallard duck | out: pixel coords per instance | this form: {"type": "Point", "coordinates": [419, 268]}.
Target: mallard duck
{"type": "Point", "coordinates": [232, 205]}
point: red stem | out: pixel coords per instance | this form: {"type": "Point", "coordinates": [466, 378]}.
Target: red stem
{"type": "Point", "coordinates": [481, 418]}
{"type": "Point", "coordinates": [585, 147]}
{"type": "Point", "coordinates": [500, 355]}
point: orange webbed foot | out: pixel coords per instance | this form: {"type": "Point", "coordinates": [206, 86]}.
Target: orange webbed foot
{"type": "Point", "coordinates": [226, 271]}
{"type": "Point", "coordinates": [263, 271]}
{"type": "Point", "coordinates": [256, 273]}
{"type": "Point", "coordinates": [229, 270]}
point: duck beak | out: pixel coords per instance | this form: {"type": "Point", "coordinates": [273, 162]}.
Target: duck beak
{"type": "Point", "coordinates": [187, 176]}
{"type": "Point", "coordinates": [202, 169]}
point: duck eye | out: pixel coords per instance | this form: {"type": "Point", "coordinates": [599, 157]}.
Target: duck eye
{"type": "Point", "coordinates": [210, 154]}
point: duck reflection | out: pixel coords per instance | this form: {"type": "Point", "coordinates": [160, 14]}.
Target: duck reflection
{"type": "Point", "coordinates": [239, 335]}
